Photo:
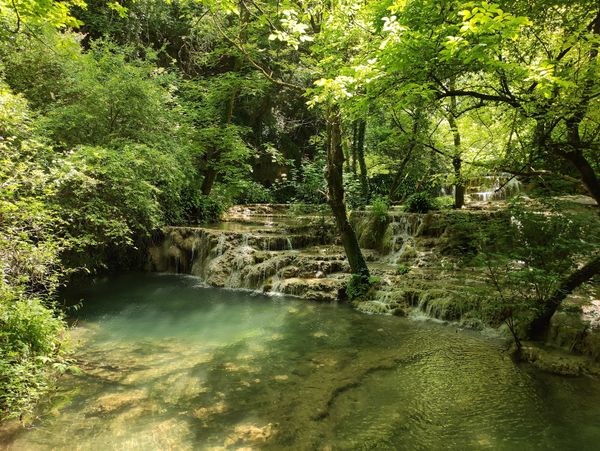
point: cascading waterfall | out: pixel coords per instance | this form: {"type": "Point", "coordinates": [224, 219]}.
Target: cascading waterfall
{"type": "Point", "coordinates": [254, 254]}
{"type": "Point", "coordinates": [403, 228]}
{"type": "Point", "coordinates": [497, 187]}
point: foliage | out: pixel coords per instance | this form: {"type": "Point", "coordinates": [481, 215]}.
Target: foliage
{"type": "Point", "coordinates": [353, 192]}
{"type": "Point", "coordinates": [379, 209]}
{"type": "Point", "coordinates": [402, 269]}
{"type": "Point", "coordinates": [207, 209]}
{"type": "Point", "coordinates": [30, 344]}
{"type": "Point", "coordinates": [251, 192]}
{"type": "Point", "coordinates": [305, 184]}
{"type": "Point", "coordinates": [420, 203]}
{"type": "Point", "coordinates": [444, 202]}
{"type": "Point", "coordinates": [523, 268]}
{"type": "Point", "coordinates": [22, 14]}
{"type": "Point", "coordinates": [110, 197]}
{"type": "Point", "coordinates": [30, 247]}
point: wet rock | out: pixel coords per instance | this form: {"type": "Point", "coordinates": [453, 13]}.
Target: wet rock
{"type": "Point", "coordinates": [317, 289]}
{"type": "Point", "coordinates": [554, 361]}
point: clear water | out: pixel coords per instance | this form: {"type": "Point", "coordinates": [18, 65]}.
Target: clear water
{"type": "Point", "coordinates": [167, 364]}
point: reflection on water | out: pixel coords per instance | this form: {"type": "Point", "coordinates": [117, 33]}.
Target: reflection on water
{"type": "Point", "coordinates": [171, 365]}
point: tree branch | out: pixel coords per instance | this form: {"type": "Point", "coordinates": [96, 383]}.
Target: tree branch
{"type": "Point", "coordinates": [268, 76]}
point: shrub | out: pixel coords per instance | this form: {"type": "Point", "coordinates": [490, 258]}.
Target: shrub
{"type": "Point", "coordinates": [30, 342]}
{"type": "Point", "coordinates": [402, 269]}
{"type": "Point", "coordinates": [207, 209]}
{"type": "Point", "coordinates": [251, 192]}
{"type": "Point", "coordinates": [420, 203]}
{"type": "Point", "coordinates": [444, 202]}
{"type": "Point", "coordinates": [380, 208]}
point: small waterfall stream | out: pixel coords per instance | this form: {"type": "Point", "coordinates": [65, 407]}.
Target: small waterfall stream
{"type": "Point", "coordinates": [403, 229]}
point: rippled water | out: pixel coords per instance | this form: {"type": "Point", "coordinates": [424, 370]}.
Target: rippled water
{"type": "Point", "coordinates": [167, 364]}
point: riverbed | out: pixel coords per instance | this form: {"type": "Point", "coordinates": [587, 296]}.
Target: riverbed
{"type": "Point", "coordinates": [167, 363]}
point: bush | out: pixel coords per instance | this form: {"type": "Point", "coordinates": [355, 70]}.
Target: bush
{"type": "Point", "coordinates": [206, 209]}
{"type": "Point", "coordinates": [420, 203]}
{"type": "Point", "coordinates": [30, 343]}
{"type": "Point", "coordinates": [251, 192]}
{"type": "Point", "coordinates": [444, 202]}
{"type": "Point", "coordinates": [380, 208]}
{"type": "Point", "coordinates": [306, 185]}
{"type": "Point", "coordinates": [402, 269]}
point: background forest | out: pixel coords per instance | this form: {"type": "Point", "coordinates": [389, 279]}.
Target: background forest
{"type": "Point", "coordinates": [117, 118]}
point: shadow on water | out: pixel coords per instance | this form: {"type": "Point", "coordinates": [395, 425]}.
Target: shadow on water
{"type": "Point", "coordinates": [167, 364]}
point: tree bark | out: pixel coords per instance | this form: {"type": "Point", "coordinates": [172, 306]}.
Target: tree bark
{"type": "Point", "coordinates": [539, 326]}
{"type": "Point", "coordinates": [575, 155]}
{"type": "Point", "coordinates": [335, 185]}
{"type": "Point", "coordinates": [459, 185]}
{"type": "Point", "coordinates": [354, 142]}
{"type": "Point", "coordinates": [360, 153]}
{"type": "Point", "coordinates": [209, 180]}
{"type": "Point", "coordinates": [587, 173]}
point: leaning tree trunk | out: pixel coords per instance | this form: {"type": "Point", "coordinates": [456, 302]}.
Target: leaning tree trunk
{"type": "Point", "coordinates": [540, 325]}
{"type": "Point", "coordinates": [575, 155]}
{"type": "Point", "coordinates": [335, 186]}
{"type": "Point", "coordinates": [587, 173]}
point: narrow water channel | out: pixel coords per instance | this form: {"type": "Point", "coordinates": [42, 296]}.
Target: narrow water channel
{"type": "Point", "coordinates": [169, 364]}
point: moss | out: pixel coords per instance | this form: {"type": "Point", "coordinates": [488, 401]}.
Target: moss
{"type": "Point", "coordinates": [448, 305]}
{"type": "Point", "coordinates": [408, 253]}
{"type": "Point", "coordinates": [432, 226]}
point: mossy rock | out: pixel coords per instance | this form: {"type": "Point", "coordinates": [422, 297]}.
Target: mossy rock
{"type": "Point", "coordinates": [433, 226]}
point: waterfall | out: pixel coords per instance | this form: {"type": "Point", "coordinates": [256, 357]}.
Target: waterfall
{"type": "Point", "coordinates": [220, 245]}
{"type": "Point", "coordinates": [403, 229]}
{"type": "Point", "coordinates": [251, 253]}
{"type": "Point", "coordinates": [496, 187]}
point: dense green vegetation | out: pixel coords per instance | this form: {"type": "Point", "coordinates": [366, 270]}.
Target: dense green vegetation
{"type": "Point", "coordinates": [117, 118]}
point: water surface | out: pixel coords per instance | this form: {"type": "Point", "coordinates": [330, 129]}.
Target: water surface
{"type": "Point", "coordinates": [169, 364]}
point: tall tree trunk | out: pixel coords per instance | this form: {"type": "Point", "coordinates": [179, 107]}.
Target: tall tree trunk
{"type": "Point", "coordinates": [360, 153]}
{"type": "Point", "coordinates": [354, 146]}
{"type": "Point", "coordinates": [335, 185]}
{"type": "Point", "coordinates": [209, 180]}
{"type": "Point", "coordinates": [459, 185]}
{"type": "Point", "coordinates": [540, 325]}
